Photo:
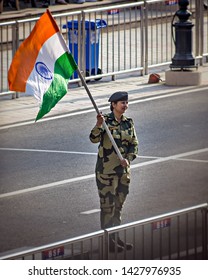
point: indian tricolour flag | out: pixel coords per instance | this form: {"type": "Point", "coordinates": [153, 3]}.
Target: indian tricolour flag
{"type": "Point", "coordinates": [42, 65]}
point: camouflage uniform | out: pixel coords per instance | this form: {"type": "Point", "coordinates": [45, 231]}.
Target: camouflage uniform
{"type": "Point", "coordinates": [113, 179]}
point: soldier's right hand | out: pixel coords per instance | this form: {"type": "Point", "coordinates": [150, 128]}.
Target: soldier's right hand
{"type": "Point", "coordinates": [100, 120]}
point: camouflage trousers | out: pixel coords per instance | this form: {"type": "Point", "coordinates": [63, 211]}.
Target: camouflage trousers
{"type": "Point", "coordinates": [112, 190]}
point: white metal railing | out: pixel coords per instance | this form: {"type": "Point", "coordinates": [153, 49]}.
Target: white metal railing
{"type": "Point", "coordinates": [181, 234]}
{"type": "Point", "coordinates": [136, 39]}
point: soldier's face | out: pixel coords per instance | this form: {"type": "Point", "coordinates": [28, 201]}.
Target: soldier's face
{"type": "Point", "coordinates": [120, 106]}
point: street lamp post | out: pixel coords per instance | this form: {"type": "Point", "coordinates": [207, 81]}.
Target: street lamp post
{"type": "Point", "coordinates": [183, 57]}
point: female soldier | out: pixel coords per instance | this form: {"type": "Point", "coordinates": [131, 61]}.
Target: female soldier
{"type": "Point", "coordinates": [113, 174]}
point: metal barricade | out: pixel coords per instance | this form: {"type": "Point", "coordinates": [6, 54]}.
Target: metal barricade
{"type": "Point", "coordinates": [89, 246]}
{"type": "Point", "coordinates": [177, 235]}
{"type": "Point", "coordinates": [180, 235]}
{"type": "Point", "coordinates": [137, 38]}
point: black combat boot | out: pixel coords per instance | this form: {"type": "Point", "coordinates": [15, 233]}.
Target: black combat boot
{"type": "Point", "coordinates": [129, 246]}
{"type": "Point", "coordinates": [113, 246]}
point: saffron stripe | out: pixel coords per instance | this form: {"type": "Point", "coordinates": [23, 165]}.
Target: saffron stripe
{"type": "Point", "coordinates": [27, 53]}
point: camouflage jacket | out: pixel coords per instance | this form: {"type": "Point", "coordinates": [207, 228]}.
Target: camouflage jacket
{"type": "Point", "coordinates": [125, 137]}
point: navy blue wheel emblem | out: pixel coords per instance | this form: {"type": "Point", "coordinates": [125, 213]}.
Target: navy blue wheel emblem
{"type": "Point", "coordinates": [43, 71]}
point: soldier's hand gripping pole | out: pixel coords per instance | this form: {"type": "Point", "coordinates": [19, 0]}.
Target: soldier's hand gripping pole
{"type": "Point", "coordinates": [96, 109]}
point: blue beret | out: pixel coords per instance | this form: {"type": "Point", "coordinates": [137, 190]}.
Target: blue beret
{"type": "Point", "coordinates": [118, 96]}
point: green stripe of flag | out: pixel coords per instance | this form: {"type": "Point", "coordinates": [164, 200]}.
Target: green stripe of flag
{"type": "Point", "coordinates": [64, 67]}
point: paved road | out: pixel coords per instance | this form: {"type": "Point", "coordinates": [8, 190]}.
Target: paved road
{"type": "Point", "coordinates": [48, 191]}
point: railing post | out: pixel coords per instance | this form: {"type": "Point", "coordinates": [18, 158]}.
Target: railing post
{"type": "Point", "coordinates": [81, 44]}
{"type": "Point", "coordinates": [197, 26]}
{"type": "Point", "coordinates": [145, 38]}
{"type": "Point", "coordinates": [15, 45]}
{"type": "Point", "coordinates": [106, 245]}
{"type": "Point", "coordinates": [201, 30]}
{"type": "Point", "coordinates": [204, 233]}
